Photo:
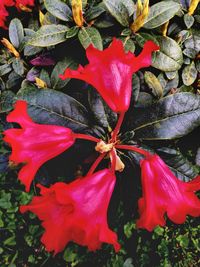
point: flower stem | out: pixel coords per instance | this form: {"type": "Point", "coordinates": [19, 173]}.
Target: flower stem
{"type": "Point", "coordinates": [133, 148]}
{"type": "Point", "coordinates": [113, 159]}
{"type": "Point", "coordinates": [117, 127]}
{"type": "Point", "coordinates": [96, 163]}
{"type": "Point", "coordinates": [86, 137]}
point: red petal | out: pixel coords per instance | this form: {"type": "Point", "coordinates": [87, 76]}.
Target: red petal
{"type": "Point", "coordinates": [164, 193]}
{"type": "Point", "coordinates": [76, 212]}
{"type": "Point", "coordinates": [34, 144]}
{"type": "Point", "coordinates": [110, 72]}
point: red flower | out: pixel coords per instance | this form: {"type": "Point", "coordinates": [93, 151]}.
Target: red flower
{"type": "Point", "coordinates": [164, 193]}
{"type": "Point", "coordinates": [24, 3]}
{"type": "Point", "coordinates": [76, 212]}
{"type": "Point", "coordinates": [110, 72]}
{"type": "Point", "coordinates": [34, 143]}
{"type": "Point", "coordinates": [4, 12]}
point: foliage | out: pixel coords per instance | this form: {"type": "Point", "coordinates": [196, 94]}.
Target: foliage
{"type": "Point", "coordinates": [164, 117]}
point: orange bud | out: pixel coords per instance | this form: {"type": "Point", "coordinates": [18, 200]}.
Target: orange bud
{"type": "Point", "coordinates": [10, 47]}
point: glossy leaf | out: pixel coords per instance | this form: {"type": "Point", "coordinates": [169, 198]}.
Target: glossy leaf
{"type": "Point", "coordinates": [58, 9]}
{"type": "Point", "coordinates": [189, 74]}
{"type": "Point", "coordinates": [16, 32]}
{"type": "Point", "coordinates": [90, 35]}
{"type": "Point", "coordinates": [120, 10]}
{"type": "Point", "coordinates": [170, 57]}
{"type": "Point", "coordinates": [161, 13]}
{"type": "Point", "coordinates": [49, 35]}
{"type": "Point", "coordinates": [171, 117]}
{"type": "Point", "coordinates": [6, 101]}
{"type": "Point", "coordinates": [182, 168]}
{"type": "Point", "coordinates": [52, 107]}
{"type": "Point", "coordinates": [59, 68]}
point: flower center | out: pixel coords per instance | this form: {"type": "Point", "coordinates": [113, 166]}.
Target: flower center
{"type": "Point", "coordinates": [102, 147]}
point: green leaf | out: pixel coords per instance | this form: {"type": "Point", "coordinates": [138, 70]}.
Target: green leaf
{"type": "Point", "coordinates": [171, 117]}
{"type": "Point", "coordinates": [6, 101]}
{"type": "Point", "coordinates": [18, 66]}
{"type": "Point", "coordinates": [102, 114]}
{"type": "Point", "coordinates": [161, 13]}
{"type": "Point", "coordinates": [73, 31]}
{"type": "Point", "coordinates": [16, 32]}
{"type": "Point", "coordinates": [58, 9]}
{"type": "Point", "coordinates": [170, 57]}
{"type": "Point", "coordinates": [90, 35]}
{"type": "Point", "coordinates": [59, 68]}
{"type": "Point", "coordinates": [4, 69]}
{"type": "Point", "coordinates": [189, 20]}
{"type": "Point", "coordinates": [49, 35]}
{"type": "Point", "coordinates": [5, 200]}
{"type": "Point", "coordinates": [52, 107]}
{"type": "Point", "coordinates": [189, 74]}
{"type": "Point", "coordinates": [128, 43]}
{"type": "Point", "coordinates": [193, 41]}
{"type": "Point", "coordinates": [120, 10]}
{"type": "Point", "coordinates": [154, 84]}
{"type": "Point", "coordinates": [10, 241]}
{"type": "Point", "coordinates": [181, 167]}
{"type": "Point", "coordinates": [28, 49]}
{"type": "Point", "coordinates": [190, 52]}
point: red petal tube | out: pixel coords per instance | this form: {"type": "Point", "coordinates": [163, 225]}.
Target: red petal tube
{"type": "Point", "coordinates": [164, 193]}
{"type": "Point", "coordinates": [110, 72]}
{"type": "Point", "coordinates": [76, 212]}
{"type": "Point", "coordinates": [34, 144]}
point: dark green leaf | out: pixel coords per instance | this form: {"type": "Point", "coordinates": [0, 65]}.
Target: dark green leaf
{"type": "Point", "coordinates": [171, 117]}
{"type": "Point", "coordinates": [94, 12]}
{"type": "Point", "coordinates": [73, 31]}
{"type": "Point", "coordinates": [90, 35]}
{"type": "Point", "coordinates": [120, 10]}
{"type": "Point", "coordinates": [181, 167]}
{"type": "Point", "coordinates": [101, 112]}
{"type": "Point", "coordinates": [60, 67]}
{"type": "Point", "coordinates": [16, 32]}
{"type": "Point", "coordinates": [161, 13]}
{"type": "Point", "coordinates": [49, 35]}
{"type": "Point", "coordinates": [4, 69]}
{"type": "Point", "coordinates": [52, 107]}
{"type": "Point", "coordinates": [28, 49]}
{"type": "Point", "coordinates": [59, 9]}
{"type": "Point", "coordinates": [18, 66]}
{"type": "Point", "coordinates": [193, 41]}
{"type": "Point", "coordinates": [6, 101]}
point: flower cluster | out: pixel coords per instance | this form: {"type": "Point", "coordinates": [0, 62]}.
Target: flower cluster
{"type": "Point", "coordinates": [20, 4]}
{"type": "Point", "coordinates": [78, 211]}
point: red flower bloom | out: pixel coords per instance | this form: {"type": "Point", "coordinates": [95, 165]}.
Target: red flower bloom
{"type": "Point", "coordinates": [34, 143]}
{"type": "Point", "coordinates": [4, 12]}
{"type": "Point", "coordinates": [164, 193]}
{"type": "Point", "coordinates": [110, 72]}
{"type": "Point", "coordinates": [76, 212]}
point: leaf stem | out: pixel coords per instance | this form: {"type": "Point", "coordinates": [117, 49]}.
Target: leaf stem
{"type": "Point", "coordinates": [133, 148]}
